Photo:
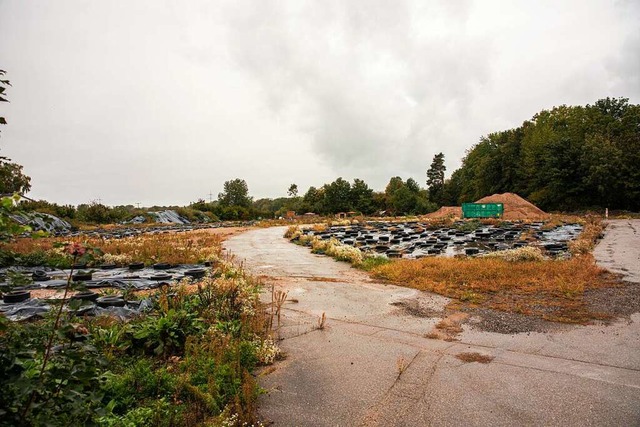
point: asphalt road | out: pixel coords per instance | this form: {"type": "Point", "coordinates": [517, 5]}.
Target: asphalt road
{"type": "Point", "coordinates": [371, 364]}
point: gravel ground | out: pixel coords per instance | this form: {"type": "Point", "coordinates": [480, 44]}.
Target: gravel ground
{"type": "Point", "coordinates": [508, 323]}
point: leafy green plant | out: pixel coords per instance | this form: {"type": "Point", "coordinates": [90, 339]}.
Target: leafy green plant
{"type": "Point", "coordinates": [65, 392]}
{"type": "Point", "coordinates": [8, 227]}
{"type": "Point", "coordinates": [165, 335]}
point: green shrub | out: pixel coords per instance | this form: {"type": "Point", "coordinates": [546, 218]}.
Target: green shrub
{"type": "Point", "coordinates": [141, 380]}
{"type": "Point", "coordinates": [66, 393]}
{"type": "Point", "coordinates": [166, 334]}
{"type": "Point", "coordinates": [372, 261]}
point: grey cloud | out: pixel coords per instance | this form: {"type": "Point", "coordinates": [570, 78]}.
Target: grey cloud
{"type": "Point", "coordinates": [160, 102]}
{"type": "Point", "coordinates": [379, 86]}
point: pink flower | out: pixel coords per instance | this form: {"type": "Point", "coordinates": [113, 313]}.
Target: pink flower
{"type": "Point", "coordinates": [75, 249]}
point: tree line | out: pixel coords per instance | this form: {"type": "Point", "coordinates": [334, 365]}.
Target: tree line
{"type": "Point", "coordinates": [400, 197]}
{"type": "Point", "coordinates": [564, 159]}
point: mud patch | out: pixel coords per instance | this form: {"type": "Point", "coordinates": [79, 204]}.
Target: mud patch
{"type": "Point", "coordinates": [425, 304]}
{"type": "Point", "coordinates": [448, 328]}
{"type": "Point", "coordinates": [414, 308]}
{"type": "Point", "coordinates": [509, 323]}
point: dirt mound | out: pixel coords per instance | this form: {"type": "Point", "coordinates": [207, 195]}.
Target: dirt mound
{"type": "Point", "coordinates": [446, 211]}
{"type": "Point", "coordinates": [515, 207]}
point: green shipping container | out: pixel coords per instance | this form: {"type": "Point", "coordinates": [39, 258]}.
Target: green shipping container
{"type": "Point", "coordinates": [482, 210]}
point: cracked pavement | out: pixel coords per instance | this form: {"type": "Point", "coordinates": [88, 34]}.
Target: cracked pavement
{"type": "Point", "coordinates": [348, 372]}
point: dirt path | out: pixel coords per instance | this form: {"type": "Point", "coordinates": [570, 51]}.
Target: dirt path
{"type": "Point", "coordinates": [372, 365]}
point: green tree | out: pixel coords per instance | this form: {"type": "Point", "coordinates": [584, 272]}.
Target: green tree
{"type": "Point", "coordinates": [235, 193]}
{"type": "Point", "coordinates": [293, 190]}
{"type": "Point", "coordinates": [407, 198]}
{"type": "Point", "coordinates": [435, 178]}
{"type": "Point", "coordinates": [362, 197]}
{"type": "Point", "coordinates": [313, 200]}
{"type": "Point", "coordinates": [3, 87]}
{"type": "Point", "coordinates": [566, 158]}
{"type": "Point", "coordinates": [337, 196]}
{"type": "Point", "coordinates": [12, 180]}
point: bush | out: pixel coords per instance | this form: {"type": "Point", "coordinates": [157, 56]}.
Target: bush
{"type": "Point", "coordinates": [66, 393]}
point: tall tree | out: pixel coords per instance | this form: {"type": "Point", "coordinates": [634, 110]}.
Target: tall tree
{"type": "Point", "coordinates": [12, 180]}
{"type": "Point", "coordinates": [3, 87]}
{"type": "Point", "coordinates": [236, 193]}
{"type": "Point", "coordinates": [362, 197]}
{"type": "Point", "coordinates": [435, 178]}
{"type": "Point", "coordinates": [293, 190]}
{"type": "Point", "coordinates": [313, 200]}
{"type": "Point", "coordinates": [404, 198]}
{"type": "Point", "coordinates": [337, 196]}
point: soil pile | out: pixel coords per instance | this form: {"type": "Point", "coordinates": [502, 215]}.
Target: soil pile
{"type": "Point", "coordinates": [446, 211]}
{"type": "Point", "coordinates": [515, 207]}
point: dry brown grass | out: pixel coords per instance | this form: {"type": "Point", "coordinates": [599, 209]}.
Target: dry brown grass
{"type": "Point", "coordinates": [322, 321]}
{"type": "Point", "coordinates": [551, 289]}
{"type": "Point", "coordinates": [322, 279]}
{"type": "Point", "coordinates": [449, 327]}
{"type": "Point", "coordinates": [175, 248]}
{"type": "Point", "coordinates": [401, 365]}
{"type": "Point", "coordinates": [474, 357]}
{"type": "Point", "coordinates": [593, 228]}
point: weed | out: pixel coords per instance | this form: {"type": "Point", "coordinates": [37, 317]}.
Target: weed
{"type": "Point", "coordinates": [401, 365]}
{"type": "Point", "coordinates": [449, 326]}
{"type": "Point", "coordinates": [474, 357]}
{"type": "Point", "coordinates": [372, 261]}
{"type": "Point", "coordinates": [321, 321]}
{"type": "Point", "coordinates": [280, 298]}
{"type": "Point", "coordinates": [586, 241]}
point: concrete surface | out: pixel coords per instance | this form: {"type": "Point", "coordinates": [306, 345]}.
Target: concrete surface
{"type": "Point", "coordinates": [619, 251]}
{"type": "Point", "coordinates": [348, 373]}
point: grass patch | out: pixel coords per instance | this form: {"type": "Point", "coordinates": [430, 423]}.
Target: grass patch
{"type": "Point", "coordinates": [372, 262]}
{"type": "Point", "coordinates": [593, 229]}
{"type": "Point", "coordinates": [550, 289]}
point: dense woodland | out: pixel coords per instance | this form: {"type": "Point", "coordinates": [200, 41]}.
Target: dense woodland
{"type": "Point", "coordinates": [568, 158]}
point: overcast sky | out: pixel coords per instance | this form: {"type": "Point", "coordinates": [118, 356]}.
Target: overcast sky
{"type": "Point", "coordinates": [160, 102]}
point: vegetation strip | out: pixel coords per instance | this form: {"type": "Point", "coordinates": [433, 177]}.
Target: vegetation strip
{"type": "Point", "coordinates": [516, 281]}
{"type": "Point", "coordinates": [188, 362]}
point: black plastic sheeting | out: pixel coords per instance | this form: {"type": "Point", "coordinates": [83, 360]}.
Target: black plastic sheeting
{"type": "Point", "coordinates": [416, 240]}
{"type": "Point", "coordinates": [34, 307]}
{"type": "Point", "coordinates": [117, 278]}
{"type": "Point", "coordinates": [39, 221]}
